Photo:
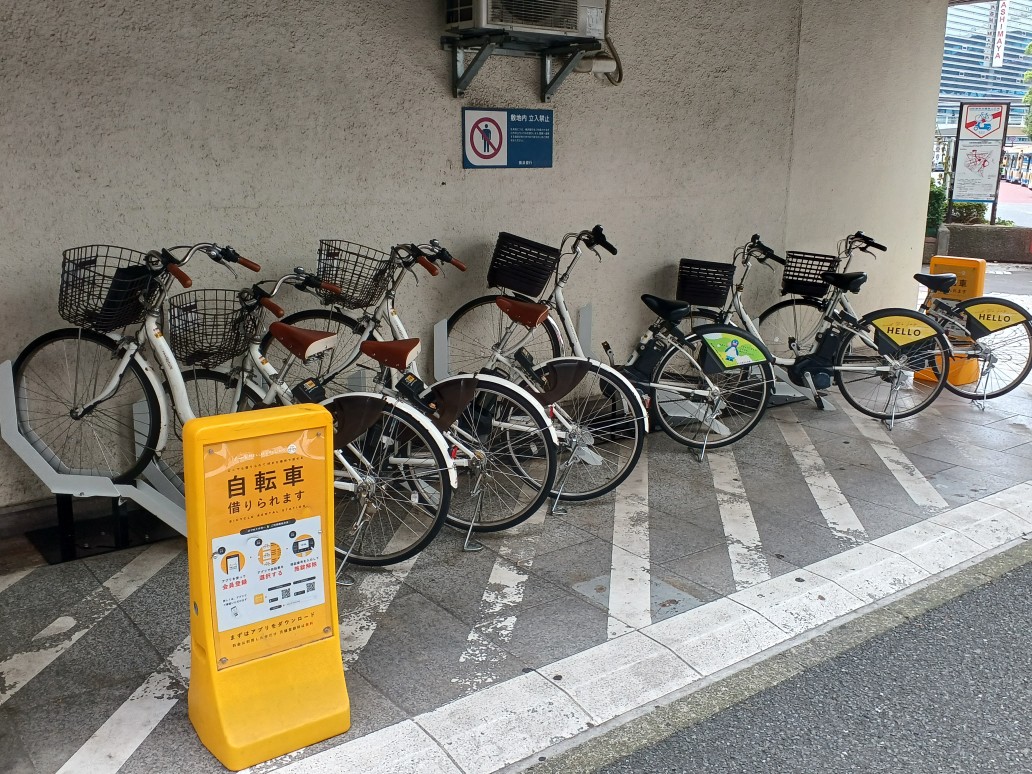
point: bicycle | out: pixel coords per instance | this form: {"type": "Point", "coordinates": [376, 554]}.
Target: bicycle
{"type": "Point", "coordinates": [91, 403]}
{"type": "Point", "coordinates": [501, 441]}
{"type": "Point", "coordinates": [889, 364]}
{"type": "Point", "coordinates": [991, 337]}
{"type": "Point", "coordinates": [600, 418]}
{"type": "Point", "coordinates": [699, 397]}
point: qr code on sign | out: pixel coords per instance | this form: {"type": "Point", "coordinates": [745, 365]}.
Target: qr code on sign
{"type": "Point", "coordinates": [310, 586]}
{"type": "Point", "coordinates": [285, 594]}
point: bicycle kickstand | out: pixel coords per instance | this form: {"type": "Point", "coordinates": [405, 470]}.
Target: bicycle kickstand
{"type": "Point", "coordinates": [344, 578]}
{"type": "Point", "coordinates": [469, 544]}
{"type": "Point", "coordinates": [557, 509]}
{"type": "Point", "coordinates": [817, 399]}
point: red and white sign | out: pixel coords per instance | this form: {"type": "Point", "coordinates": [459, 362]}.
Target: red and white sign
{"type": "Point", "coordinates": [485, 137]}
{"type": "Point", "coordinates": [981, 121]}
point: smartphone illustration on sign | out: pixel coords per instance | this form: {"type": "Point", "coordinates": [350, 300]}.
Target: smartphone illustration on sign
{"type": "Point", "coordinates": [233, 563]}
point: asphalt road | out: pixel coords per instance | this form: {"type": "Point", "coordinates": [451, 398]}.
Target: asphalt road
{"type": "Point", "coordinates": [947, 691]}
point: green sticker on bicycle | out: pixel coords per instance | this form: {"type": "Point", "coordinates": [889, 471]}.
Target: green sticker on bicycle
{"type": "Point", "coordinates": [732, 350]}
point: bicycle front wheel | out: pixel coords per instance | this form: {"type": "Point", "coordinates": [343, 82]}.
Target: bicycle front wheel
{"type": "Point", "coordinates": [341, 369]}
{"type": "Point", "coordinates": [211, 393]}
{"type": "Point", "coordinates": [790, 327]}
{"type": "Point", "coordinates": [897, 368]}
{"type": "Point", "coordinates": [601, 427]}
{"type": "Point", "coordinates": [56, 381]}
{"type": "Point", "coordinates": [514, 461]}
{"type": "Point", "coordinates": [479, 325]}
{"type": "Point", "coordinates": [392, 487]}
{"type": "Point", "coordinates": [702, 404]}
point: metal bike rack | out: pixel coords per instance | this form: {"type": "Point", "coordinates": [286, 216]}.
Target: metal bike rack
{"type": "Point", "coordinates": [156, 495]}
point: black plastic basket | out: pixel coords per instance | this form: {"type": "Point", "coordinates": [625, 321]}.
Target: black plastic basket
{"type": "Point", "coordinates": [104, 287]}
{"type": "Point", "coordinates": [803, 273]}
{"type": "Point", "coordinates": [208, 327]}
{"type": "Point", "coordinates": [521, 265]}
{"type": "Point", "coordinates": [704, 283]}
{"type": "Point", "coordinates": [361, 273]}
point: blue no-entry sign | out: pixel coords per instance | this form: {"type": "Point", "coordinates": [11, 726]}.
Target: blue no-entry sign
{"type": "Point", "coordinates": [507, 139]}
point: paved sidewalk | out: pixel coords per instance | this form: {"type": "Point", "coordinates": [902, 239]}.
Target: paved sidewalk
{"type": "Point", "coordinates": [469, 662]}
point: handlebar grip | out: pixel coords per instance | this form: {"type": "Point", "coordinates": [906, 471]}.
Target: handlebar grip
{"type": "Point", "coordinates": [248, 264]}
{"type": "Point", "coordinates": [877, 246]}
{"type": "Point", "coordinates": [179, 274]}
{"type": "Point", "coordinates": [598, 237]}
{"type": "Point", "coordinates": [458, 264]}
{"type": "Point", "coordinates": [428, 265]}
{"type": "Point", "coordinates": [329, 287]}
{"type": "Point", "coordinates": [272, 306]}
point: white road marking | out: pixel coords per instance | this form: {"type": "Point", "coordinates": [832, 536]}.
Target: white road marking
{"type": "Point", "coordinates": [504, 591]}
{"type": "Point", "coordinates": [838, 513]}
{"type": "Point", "coordinates": [8, 580]}
{"type": "Point", "coordinates": [129, 726]}
{"type": "Point", "coordinates": [630, 580]}
{"type": "Point", "coordinates": [904, 471]}
{"type": "Point", "coordinates": [19, 668]}
{"type": "Point", "coordinates": [376, 590]}
{"type": "Point", "coordinates": [748, 562]}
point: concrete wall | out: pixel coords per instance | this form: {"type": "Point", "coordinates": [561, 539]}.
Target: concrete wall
{"type": "Point", "coordinates": [864, 116]}
{"type": "Point", "coordinates": [269, 126]}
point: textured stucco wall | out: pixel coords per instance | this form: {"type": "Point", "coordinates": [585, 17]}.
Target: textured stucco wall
{"type": "Point", "coordinates": [268, 126]}
{"type": "Point", "coordinates": [865, 110]}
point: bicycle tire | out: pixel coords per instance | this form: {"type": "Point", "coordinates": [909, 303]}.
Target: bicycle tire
{"type": "Point", "coordinates": [928, 357]}
{"type": "Point", "coordinates": [406, 480]}
{"type": "Point", "coordinates": [795, 320]}
{"type": "Point", "coordinates": [744, 393]}
{"type": "Point", "coordinates": [1007, 351]}
{"type": "Point", "coordinates": [211, 393]}
{"type": "Point", "coordinates": [606, 413]}
{"type": "Point", "coordinates": [354, 370]}
{"type": "Point", "coordinates": [477, 326]}
{"type": "Point", "coordinates": [519, 464]}
{"type": "Point", "coordinates": [64, 369]}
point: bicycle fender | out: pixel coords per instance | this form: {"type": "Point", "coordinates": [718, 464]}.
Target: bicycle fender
{"type": "Point", "coordinates": [720, 331]}
{"type": "Point", "coordinates": [164, 406]}
{"type": "Point", "coordinates": [895, 328]}
{"type": "Point", "coordinates": [419, 418]}
{"type": "Point", "coordinates": [617, 377]}
{"type": "Point", "coordinates": [987, 315]}
{"type": "Point", "coordinates": [530, 399]}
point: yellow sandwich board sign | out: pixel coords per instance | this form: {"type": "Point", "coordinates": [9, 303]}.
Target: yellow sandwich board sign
{"type": "Point", "coordinates": [266, 671]}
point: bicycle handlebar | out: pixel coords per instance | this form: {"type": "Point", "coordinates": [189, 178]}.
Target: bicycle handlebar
{"type": "Point", "coordinates": [763, 252]}
{"type": "Point", "coordinates": [597, 237]}
{"type": "Point", "coordinates": [272, 306]}
{"type": "Point", "coordinates": [860, 236]}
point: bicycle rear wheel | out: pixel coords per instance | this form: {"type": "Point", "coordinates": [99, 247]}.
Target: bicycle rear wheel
{"type": "Point", "coordinates": [476, 327]}
{"type": "Point", "coordinates": [515, 462]}
{"type": "Point", "coordinates": [601, 426]}
{"type": "Point", "coordinates": [992, 364]}
{"type": "Point", "coordinates": [341, 369]}
{"type": "Point", "coordinates": [64, 370]}
{"type": "Point", "coordinates": [790, 327]}
{"type": "Point", "coordinates": [702, 404]}
{"type": "Point", "coordinates": [391, 498]}
{"type": "Point", "coordinates": [891, 378]}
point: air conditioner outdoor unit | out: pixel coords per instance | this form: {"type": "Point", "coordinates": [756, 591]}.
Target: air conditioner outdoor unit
{"type": "Point", "coordinates": [547, 18]}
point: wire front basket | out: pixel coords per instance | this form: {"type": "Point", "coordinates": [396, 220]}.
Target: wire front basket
{"type": "Point", "coordinates": [208, 327]}
{"type": "Point", "coordinates": [803, 275]}
{"type": "Point", "coordinates": [704, 283]}
{"type": "Point", "coordinates": [361, 273]}
{"type": "Point", "coordinates": [104, 287]}
{"type": "Point", "coordinates": [521, 265]}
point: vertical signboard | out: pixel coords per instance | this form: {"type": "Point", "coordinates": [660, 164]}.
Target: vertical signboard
{"type": "Point", "coordinates": [506, 139]}
{"type": "Point", "coordinates": [1000, 33]}
{"type": "Point", "coordinates": [267, 676]}
{"type": "Point", "coordinates": [981, 132]}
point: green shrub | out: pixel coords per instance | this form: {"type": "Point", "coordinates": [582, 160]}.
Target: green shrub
{"type": "Point", "coordinates": [936, 209]}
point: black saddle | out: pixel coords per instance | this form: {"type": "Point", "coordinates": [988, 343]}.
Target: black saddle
{"type": "Point", "coordinates": [851, 280]}
{"type": "Point", "coordinates": [937, 283]}
{"type": "Point", "coordinates": [674, 311]}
